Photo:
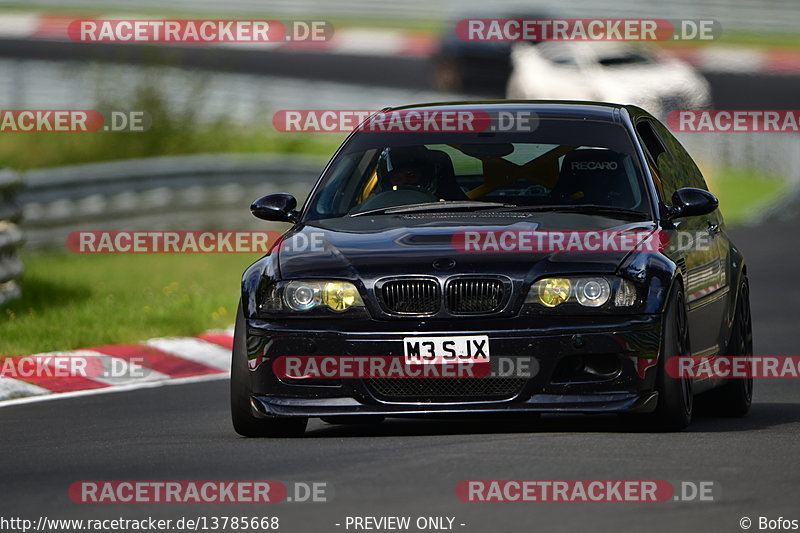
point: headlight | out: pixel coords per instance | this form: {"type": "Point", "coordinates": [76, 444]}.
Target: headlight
{"type": "Point", "coordinates": [307, 295]}
{"type": "Point", "coordinates": [301, 296]}
{"type": "Point", "coordinates": [553, 291]}
{"type": "Point", "coordinates": [594, 291]}
{"type": "Point", "coordinates": [340, 296]}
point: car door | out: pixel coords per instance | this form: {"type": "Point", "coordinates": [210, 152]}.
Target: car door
{"type": "Point", "coordinates": [696, 240]}
{"type": "Point", "coordinates": [712, 292]}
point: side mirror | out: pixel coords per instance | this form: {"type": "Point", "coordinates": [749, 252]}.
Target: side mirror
{"type": "Point", "coordinates": [691, 202]}
{"type": "Point", "coordinates": [276, 207]}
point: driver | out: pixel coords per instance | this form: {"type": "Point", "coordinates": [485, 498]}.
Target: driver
{"type": "Point", "coordinates": [407, 167]}
{"type": "Point", "coordinates": [406, 175]}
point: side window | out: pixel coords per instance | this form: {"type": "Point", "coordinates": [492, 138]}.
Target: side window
{"type": "Point", "coordinates": [650, 140]}
{"type": "Point", "coordinates": [690, 173]}
{"type": "Point", "coordinates": [663, 166]}
{"type": "Point", "coordinates": [339, 189]}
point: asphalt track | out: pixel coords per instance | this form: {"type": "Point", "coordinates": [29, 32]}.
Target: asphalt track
{"type": "Point", "coordinates": [411, 467]}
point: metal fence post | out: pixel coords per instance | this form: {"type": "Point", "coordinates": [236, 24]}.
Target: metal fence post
{"type": "Point", "coordinates": [10, 236]}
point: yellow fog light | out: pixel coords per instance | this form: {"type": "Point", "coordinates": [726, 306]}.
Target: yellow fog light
{"type": "Point", "coordinates": [340, 296]}
{"type": "Point", "coordinates": [553, 291]}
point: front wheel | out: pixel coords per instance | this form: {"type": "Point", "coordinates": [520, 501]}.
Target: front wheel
{"type": "Point", "coordinates": [244, 422]}
{"type": "Point", "coordinates": [675, 396]}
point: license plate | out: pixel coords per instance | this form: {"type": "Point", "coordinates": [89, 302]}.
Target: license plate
{"type": "Point", "coordinates": [453, 350]}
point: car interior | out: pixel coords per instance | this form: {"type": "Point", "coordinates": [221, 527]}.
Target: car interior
{"type": "Point", "coordinates": [521, 174]}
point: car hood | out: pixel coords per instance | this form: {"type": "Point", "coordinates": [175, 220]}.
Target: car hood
{"type": "Point", "coordinates": [369, 247]}
{"type": "Point", "coordinates": [659, 77]}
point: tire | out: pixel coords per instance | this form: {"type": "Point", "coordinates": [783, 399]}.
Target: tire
{"type": "Point", "coordinates": [244, 422]}
{"type": "Point", "coordinates": [675, 397]}
{"type": "Point", "coordinates": [353, 419]}
{"type": "Point", "coordinates": [733, 399]}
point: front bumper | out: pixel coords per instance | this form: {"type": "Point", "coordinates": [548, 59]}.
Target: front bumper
{"type": "Point", "coordinates": [264, 406]}
{"type": "Point", "coordinates": [630, 344]}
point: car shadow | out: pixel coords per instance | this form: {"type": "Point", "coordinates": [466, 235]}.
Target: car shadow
{"type": "Point", "coordinates": [761, 416]}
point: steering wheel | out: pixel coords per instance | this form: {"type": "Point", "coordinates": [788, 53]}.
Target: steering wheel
{"type": "Point", "coordinates": [536, 190]}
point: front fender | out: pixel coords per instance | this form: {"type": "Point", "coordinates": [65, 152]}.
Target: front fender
{"type": "Point", "coordinates": [253, 283]}
{"type": "Point", "coordinates": [657, 271]}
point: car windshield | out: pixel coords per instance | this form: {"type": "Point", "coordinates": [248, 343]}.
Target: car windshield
{"type": "Point", "coordinates": [624, 59]}
{"type": "Point", "coordinates": [561, 162]}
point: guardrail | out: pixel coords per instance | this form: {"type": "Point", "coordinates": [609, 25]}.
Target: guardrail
{"type": "Point", "coordinates": [182, 192]}
{"type": "Point", "coordinates": [10, 236]}
{"type": "Point", "coordinates": [776, 154]}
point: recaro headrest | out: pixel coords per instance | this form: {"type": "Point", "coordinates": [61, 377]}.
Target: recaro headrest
{"type": "Point", "coordinates": [598, 174]}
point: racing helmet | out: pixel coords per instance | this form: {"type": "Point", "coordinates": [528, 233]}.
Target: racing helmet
{"type": "Point", "coordinates": [417, 158]}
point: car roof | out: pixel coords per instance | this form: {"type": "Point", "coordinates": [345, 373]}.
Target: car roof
{"type": "Point", "coordinates": [543, 108]}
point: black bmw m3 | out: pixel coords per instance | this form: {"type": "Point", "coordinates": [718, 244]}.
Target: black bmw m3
{"type": "Point", "coordinates": [573, 260]}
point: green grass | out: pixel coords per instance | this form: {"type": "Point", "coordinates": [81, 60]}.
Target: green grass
{"type": "Point", "coordinates": [73, 301]}
{"type": "Point", "coordinates": [759, 39]}
{"type": "Point", "coordinates": [35, 150]}
{"type": "Point", "coordinates": [743, 193]}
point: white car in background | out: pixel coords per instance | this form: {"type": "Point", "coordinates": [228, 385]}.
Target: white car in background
{"type": "Point", "coordinates": [608, 72]}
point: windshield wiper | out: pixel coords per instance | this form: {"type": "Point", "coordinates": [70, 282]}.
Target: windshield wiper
{"type": "Point", "coordinates": [584, 208]}
{"type": "Point", "coordinates": [463, 205]}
